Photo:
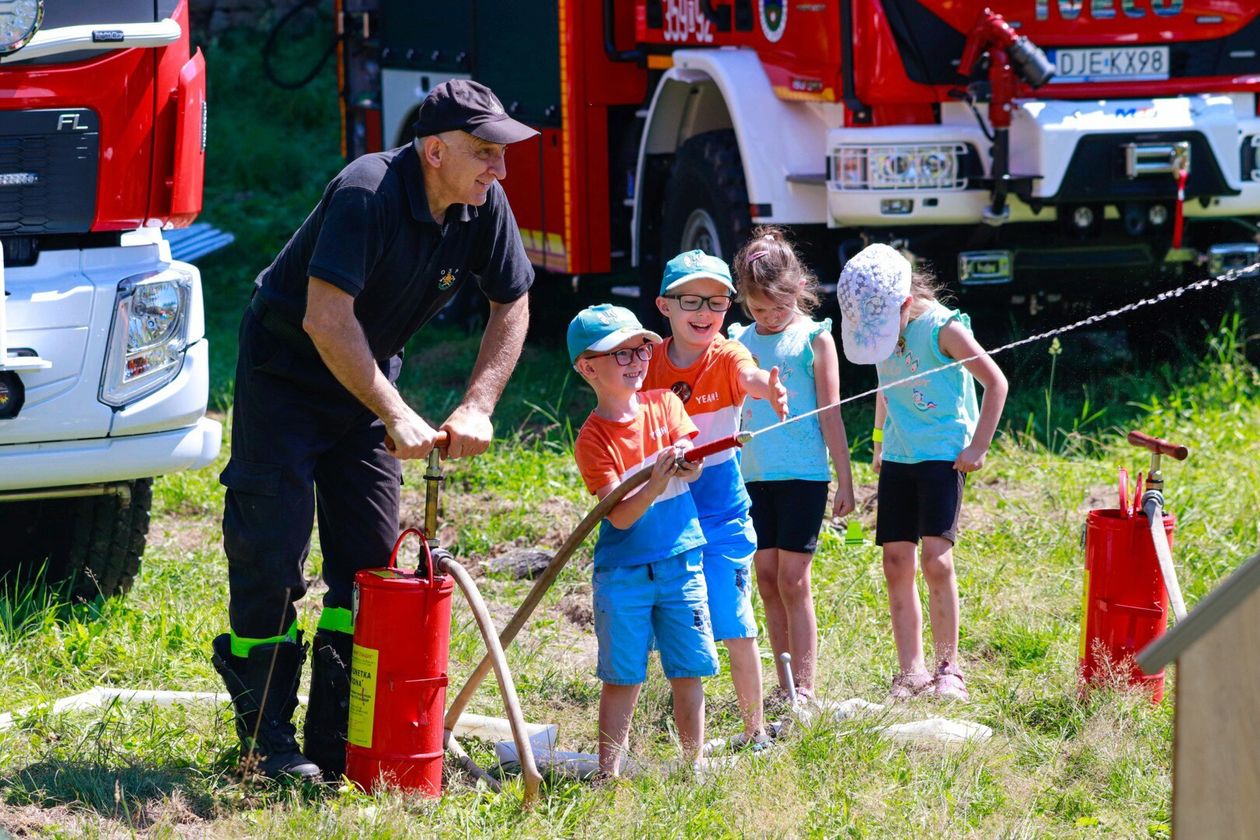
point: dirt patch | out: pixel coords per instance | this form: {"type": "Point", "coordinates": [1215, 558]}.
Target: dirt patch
{"type": "Point", "coordinates": [1101, 496]}
{"type": "Point", "coordinates": [184, 534]}
{"type": "Point", "coordinates": [172, 816]}
{"type": "Point", "coordinates": [576, 606]}
{"type": "Point", "coordinates": [865, 498]}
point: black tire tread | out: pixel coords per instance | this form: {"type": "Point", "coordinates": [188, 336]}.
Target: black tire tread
{"type": "Point", "coordinates": [106, 544]}
{"type": "Point", "coordinates": [713, 157]}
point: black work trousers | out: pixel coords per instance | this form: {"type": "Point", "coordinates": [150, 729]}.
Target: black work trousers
{"type": "Point", "coordinates": [302, 445]}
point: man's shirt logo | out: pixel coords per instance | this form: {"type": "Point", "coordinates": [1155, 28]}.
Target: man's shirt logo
{"type": "Point", "coordinates": [682, 390]}
{"type": "Point", "coordinates": [447, 279]}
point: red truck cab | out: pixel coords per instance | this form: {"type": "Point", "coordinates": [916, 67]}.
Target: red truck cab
{"type": "Point", "coordinates": [104, 366]}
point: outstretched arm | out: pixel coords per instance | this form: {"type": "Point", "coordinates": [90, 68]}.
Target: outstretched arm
{"type": "Point", "coordinates": [469, 424]}
{"type": "Point", "coordinates": [957, 342]}
{"type": "Point", "coordinates": [765, 385]}
{"type": "Point", "coordinates": [339, 338]}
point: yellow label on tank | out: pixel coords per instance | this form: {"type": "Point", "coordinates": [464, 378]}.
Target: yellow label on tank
{"type": "Point", "coordinates": [363, 665]}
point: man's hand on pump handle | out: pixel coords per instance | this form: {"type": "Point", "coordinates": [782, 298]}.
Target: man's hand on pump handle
{"type": "Point", "coordinates": [467, 432]}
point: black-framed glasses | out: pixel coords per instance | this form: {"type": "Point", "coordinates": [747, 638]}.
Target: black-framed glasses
{"type": "Point", "coordinates": [626, 355]}
{"type": "Point", "coordinates": [692, 303]}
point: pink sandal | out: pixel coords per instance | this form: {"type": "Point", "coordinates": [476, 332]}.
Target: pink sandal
{"type": "Point", "coordinates": [907, 686]}
{"type": "Point", "coordinates": [949, 684]}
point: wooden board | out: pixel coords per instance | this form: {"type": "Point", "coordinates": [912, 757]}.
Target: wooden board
{"type": "Point", "coordinates": [1216, 767]}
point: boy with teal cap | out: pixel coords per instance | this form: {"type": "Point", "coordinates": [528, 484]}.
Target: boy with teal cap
{"type": "Point", "coordinates": [648, 574]}
{"type": "Point", "coordinates": [712, 375]}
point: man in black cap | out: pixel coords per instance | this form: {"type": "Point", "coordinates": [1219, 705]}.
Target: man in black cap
{"type": "Point", "coordinates": [318, 426]}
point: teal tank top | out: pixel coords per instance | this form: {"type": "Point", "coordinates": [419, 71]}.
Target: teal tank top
{"type": "Point", "coordinates": [796, 450]}
{"type": "Point", "coordinates": [930, 418]}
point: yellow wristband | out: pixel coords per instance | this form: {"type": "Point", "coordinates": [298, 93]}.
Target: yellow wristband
{"type": "Point", "coordinates": [877, 435]}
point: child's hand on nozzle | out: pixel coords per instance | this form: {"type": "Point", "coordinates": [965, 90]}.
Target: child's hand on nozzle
{"type": "Point", "coordinates": [778, 394]}
{"type": "Point", "coordinates": [971, 458]}
{"type": "Point", "coordinates": [663, 470]}
{"type": "Point", "coordinates": [687, 468]}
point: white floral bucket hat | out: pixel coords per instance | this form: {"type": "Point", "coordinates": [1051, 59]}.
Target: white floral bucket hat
{"type": "Point", "coordinates": [872, 287]}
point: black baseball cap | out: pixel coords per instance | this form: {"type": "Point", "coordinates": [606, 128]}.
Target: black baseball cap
{"type": "Point", "coordinates": [465, 105]}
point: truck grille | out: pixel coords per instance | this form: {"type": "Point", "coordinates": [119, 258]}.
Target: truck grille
{"type": "Point", "coordinates": [48, 170]}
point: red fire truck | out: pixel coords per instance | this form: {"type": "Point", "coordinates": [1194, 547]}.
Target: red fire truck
{"type": "Point", "coordinates": [104, 366]}
{"type": "Point", "coordinates": [1032, 150]}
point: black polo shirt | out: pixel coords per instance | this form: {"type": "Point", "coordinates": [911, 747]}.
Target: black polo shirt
{"type": "Point", "coordinates": [372, 236]}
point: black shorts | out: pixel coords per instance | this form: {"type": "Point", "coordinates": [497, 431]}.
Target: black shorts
{"type": "Point", "coordinates": [918, 500]}
{"type": "Point", "coordinates": [788, 514]}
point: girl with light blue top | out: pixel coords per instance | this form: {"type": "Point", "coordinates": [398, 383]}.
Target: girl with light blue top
{"type": "Point", "coordinates": [786, 471]}
{"type": "Point", "coordinates": [929, 433]}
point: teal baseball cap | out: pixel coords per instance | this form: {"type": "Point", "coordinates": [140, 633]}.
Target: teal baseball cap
{"type": "Point", "coordinates": [602, 327]}
{"type": "Point", "coordinates": [692, 264]}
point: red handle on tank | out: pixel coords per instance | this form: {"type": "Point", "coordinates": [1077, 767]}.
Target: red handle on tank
{"type": "Point", "coordinates": [1163, 447]}
{"type": "Point", "coordinates": [424, 544]}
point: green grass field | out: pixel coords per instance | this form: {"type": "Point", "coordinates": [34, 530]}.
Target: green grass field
{"type": "Point", "coordinates": [1058, 765]}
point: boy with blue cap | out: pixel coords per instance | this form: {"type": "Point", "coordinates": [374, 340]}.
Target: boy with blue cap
{"type": "Point", "coordinates": [648, 577]}
{"type": "Point", "coordinates": [712, 375]}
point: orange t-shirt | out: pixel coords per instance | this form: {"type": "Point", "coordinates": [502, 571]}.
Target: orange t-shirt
{"type": "Point", "coordinates": [608, 453]}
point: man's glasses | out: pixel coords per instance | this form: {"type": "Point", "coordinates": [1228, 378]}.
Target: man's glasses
{"type": "Point", "coordinates": [626, 355]}
{"type": "Point", "coordinates": [692, 303]}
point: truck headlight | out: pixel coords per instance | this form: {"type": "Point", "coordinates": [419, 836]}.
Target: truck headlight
{"type": "Point", "coordinates": [148, 335]}
{"type": "Point", "coordinates": [19, 20]}
{"type": "Point", "coordinates": [899, 166]}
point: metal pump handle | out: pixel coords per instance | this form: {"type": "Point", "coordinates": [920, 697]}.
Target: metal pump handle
{"type": "Point", "coordinates": [1158, 446]}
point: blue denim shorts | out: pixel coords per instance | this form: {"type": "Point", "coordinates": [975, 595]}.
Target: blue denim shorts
{"type": "Point", "coordinates": [667, 600]}
{"type": "Point", "coordinates": [729, 581]}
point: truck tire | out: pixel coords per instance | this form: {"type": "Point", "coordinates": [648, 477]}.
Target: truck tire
{"type": "Point", "coordinates": [89, 546]}
{"type": "Point", "coordinates": [706, 199]}
{"type": "Point", "coordinates": [704, 203]}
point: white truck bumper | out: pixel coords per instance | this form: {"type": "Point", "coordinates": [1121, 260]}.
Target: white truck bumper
{"type": "Point", "coordinates": [1045, 135]}
{"type": "Point", "coordinates": [74, 462]}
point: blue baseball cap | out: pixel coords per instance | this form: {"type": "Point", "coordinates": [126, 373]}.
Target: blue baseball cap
{"type": "Point", "coordinates": [692, 264]}
{"type": "Point", "coordinates": [603, 327]}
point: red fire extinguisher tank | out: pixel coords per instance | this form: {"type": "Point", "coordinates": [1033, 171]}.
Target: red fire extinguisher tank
{"type": "Point", "coordinates": [402, 629]}
{"type": "Point", "coordinates": [1126, 602]}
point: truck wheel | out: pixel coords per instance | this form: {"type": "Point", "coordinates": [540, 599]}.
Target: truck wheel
{"type": "Point", "coordinates": [89, 546]}
{"type": "Point", "coordinates": [706, 199]}
{"type": "Point", "coordinates": [106, 541]}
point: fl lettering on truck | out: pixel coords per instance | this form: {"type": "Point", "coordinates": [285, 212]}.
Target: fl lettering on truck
{"type": "Point", "coordinates": [104, 365]}
{"type": "Point", "coordinates": [1035, 153]}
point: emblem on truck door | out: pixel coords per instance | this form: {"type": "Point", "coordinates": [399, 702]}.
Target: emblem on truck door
{"type": "Point", "coordinates": [773, 15]}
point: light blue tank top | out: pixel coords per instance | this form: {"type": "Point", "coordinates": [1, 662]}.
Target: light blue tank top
{"type": "Point", "coordinates": [796, 450]}
{"type": "Point", "coordinates": [930, 418]}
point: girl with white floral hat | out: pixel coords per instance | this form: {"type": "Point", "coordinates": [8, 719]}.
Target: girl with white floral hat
{"type": "Point", "coordinates": [929, 433]}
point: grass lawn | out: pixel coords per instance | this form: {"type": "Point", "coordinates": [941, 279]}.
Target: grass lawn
{"type": "Point", "coordinates": [1056, 766]}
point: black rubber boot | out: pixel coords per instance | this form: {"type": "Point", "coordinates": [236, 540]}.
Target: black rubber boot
{"type": "Point", "coordinates": [264, 692]}
{"type": "Point", "coordinates": [327, 713]}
